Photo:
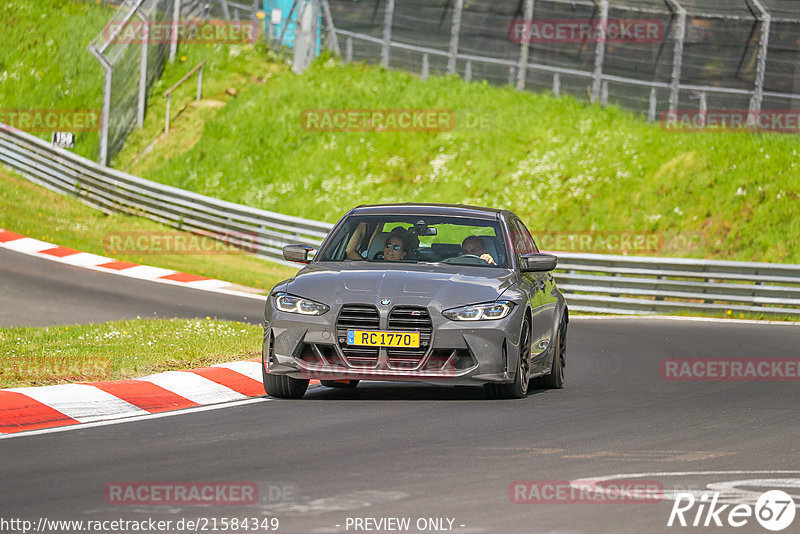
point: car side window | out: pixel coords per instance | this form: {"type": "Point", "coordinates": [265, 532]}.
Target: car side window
{"type": "Point", "coordinates": [521, 238]}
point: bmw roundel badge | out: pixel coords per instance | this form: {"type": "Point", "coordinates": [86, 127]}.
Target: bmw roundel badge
{"type": "Point", "coordinates": [386, 302]}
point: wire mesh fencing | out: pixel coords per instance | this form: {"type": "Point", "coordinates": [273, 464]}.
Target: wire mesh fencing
{"type": "Point", "coordinates": [134, 47]}
{"type": "Point", "coordinates": [658, 57]}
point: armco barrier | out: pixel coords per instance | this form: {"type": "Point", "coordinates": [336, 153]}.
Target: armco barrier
{"type": "Point", "coordinates": [592, 282]}
{"type": "Point", "coordinates": [111, 190]}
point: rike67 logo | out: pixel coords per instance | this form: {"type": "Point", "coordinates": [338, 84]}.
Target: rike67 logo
{"type": "Point", "coordinates": [774, 510]}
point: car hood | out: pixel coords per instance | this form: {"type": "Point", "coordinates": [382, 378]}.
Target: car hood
{"type": "Point", "coordinates": [439, 285]}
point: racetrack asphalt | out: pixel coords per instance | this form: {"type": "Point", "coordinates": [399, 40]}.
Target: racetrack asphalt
{"type": "Point", "coordinates": [398, 450]}
{"type": "Point", "coordinates": [39, 292]}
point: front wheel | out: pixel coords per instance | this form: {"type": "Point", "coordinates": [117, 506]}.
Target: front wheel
{"type": "Point", "coordinates": [284, 387]}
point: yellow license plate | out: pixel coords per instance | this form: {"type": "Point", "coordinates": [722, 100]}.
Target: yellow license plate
{"type": "Point", "coordinates": [366, 338]}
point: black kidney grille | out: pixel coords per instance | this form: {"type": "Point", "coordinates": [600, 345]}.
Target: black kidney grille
{"type": "Point", "coordinates": [357, 317]}
{"type": "Point", "coordinates": [414, 319]}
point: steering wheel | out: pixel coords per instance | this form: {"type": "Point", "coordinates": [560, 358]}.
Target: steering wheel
{"type": "Point", "coordinates": [472, 259]}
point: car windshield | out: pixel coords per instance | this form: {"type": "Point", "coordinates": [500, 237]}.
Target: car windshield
{"type": "Point", "coordinates": [418, 239]}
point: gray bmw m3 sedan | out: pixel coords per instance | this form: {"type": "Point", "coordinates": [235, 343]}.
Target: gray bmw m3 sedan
{"type": "Point", "coordinates": [443, 294]}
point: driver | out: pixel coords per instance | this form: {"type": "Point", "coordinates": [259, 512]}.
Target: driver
{"type": "Point", "coordinates": [473, 245]}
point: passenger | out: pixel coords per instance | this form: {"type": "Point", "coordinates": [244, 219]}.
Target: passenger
{"type": "Point", "coordinates": [355, 241]}
{"type": "Point", "coordinates": [405, 240]}
{"type": "Point", "coordinates": [474, 246]}
{"type": "Point", "coordinates": [395, 249]}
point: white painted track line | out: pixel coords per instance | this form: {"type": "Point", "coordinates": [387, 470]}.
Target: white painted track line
{"type": "Point", "coordinates": [193, 387]}
{"type": "Point", "coordinates": [28, 245]}
{"type": "Point", "coordinates": [249, 369]}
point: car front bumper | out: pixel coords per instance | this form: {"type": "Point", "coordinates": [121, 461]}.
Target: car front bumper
{"type": "Point", "coordinates": [458, 352]}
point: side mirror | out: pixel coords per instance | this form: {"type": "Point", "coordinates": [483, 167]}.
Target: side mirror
{"type": "Point", "coordinates": [298, 253]}
{"type": "Point", "coordinates": [537, 262]}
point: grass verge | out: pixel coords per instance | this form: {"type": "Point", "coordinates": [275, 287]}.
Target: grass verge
{"type": "Point", "coordinates": [44, 63]}
{"type": "Point", "coordinates": [120, 349]}
{"type": "Point", "coordinates": [563, 165]}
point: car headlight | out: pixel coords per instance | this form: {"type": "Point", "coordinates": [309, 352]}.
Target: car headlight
{"type": "Point", "coordinates": [291, 304]}
{"type": "Point", "coordinates": [480, 312]}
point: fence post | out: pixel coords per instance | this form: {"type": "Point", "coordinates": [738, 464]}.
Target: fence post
{"type": "Point", "coordinates": [200, 82]}
{"type": "Point", "coordinates": [176, 19]}
{"type": "Point", "coordinates": [557, 84]}
{"type": "Point", "coordinates": [703, 108]}
{"type": "Point", "coordinates": [600, 52]}
{"type": "Point", "coordinates": [524, 48]}
{"type": "Point", "coordinates": [468, 71]}
{"type": "Point", "coordinates": [761, 68]}
{"type": "Point", "coordinates": [166, 120]}
{"type": "Point", "coordinates": [105, 114]}
{"type": "Point", "coordinates": [225, 10]}
{"type": "Point", "coordinates": [332, 37]}
{"type": "Point", "coordinates": [387, 34]}
{"type": "Point", "coordinates": [651, 113]}
{"type": "Point", "coordinates": [677, 55]}
{"type": "Point", "coordinates": [348, 50]}
{"type": "Point", "coordinates": [425, 67]}
{"type": "Point", "coordinates": [604, 94]}
{"type": "Point", "coordinates": [287, 21]}
{"type": "Point", "coordinates": [140, 105]}
{"type": "Point", "coordinates": [455, 30]}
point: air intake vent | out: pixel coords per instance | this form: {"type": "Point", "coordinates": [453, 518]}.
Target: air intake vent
{"type": "Point", "coordinates": [357, 317]}
{"type": "Point", "coordinates": [409, 319]}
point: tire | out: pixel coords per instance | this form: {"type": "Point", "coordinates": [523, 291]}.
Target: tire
{"type": "Point", "coordinates": [555, 380]}
{"type": "Point", "coordinates": [284, 387]}
{"type": "Point", "coordinates": [350, 384]}
{"type": "Point", "coordinates": [517, 389]}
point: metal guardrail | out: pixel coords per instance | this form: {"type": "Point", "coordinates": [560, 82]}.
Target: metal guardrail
{"type": "Point", "coordinates": [647, 285]}
{"type": "Point", "coordinates": [114, 191]}
{"type": "Point", "coordinates": [592, 282]}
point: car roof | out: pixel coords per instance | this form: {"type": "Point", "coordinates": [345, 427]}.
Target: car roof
{"type": "Point", "coordinates": [412, 208]}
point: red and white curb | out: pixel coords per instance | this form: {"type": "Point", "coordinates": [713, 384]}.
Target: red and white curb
{"type": "Point", "coordinates": [42, 249]}
{"type": "Point", "coordinates": [35, 408]}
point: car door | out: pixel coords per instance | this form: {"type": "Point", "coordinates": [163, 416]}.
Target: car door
{"type": "Point", "coordinates": [540, 289]}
